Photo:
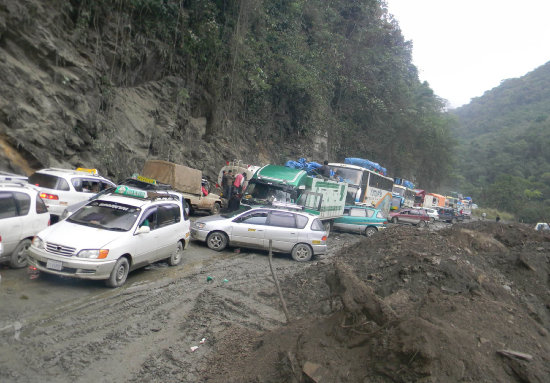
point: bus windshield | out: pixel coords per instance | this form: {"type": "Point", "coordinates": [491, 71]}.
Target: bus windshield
{"type": "Point", "coordinates": [351, 176]}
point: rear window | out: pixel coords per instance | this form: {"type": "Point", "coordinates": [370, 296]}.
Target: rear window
{"type": "Point", "coordinates": [316, 225]}
{"type": "Point", "coordinates": [49, 181]}
{"type": "Point", "coordinates": [40, 205]}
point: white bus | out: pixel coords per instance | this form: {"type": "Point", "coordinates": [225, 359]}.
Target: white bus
{"type": "Point", "coordinates": [365, 187]}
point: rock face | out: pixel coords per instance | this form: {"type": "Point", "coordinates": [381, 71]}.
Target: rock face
{"type": "Point", "coordinates": [65, 101]}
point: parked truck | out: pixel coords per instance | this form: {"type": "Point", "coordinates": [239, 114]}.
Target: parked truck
{"type": "Point", "coordinates": [286, 187]}
{"type": "Point", "coordinates": [187, 181]}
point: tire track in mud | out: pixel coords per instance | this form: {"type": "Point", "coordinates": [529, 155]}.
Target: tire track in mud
{"type": "Point", "coordinates": [143, 331]}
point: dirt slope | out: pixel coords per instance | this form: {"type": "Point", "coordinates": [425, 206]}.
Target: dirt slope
{"type": "Point", "coordinates": [408, 305]}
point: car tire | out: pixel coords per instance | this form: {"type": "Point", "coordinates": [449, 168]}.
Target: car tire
{"type": "Point", "coordinates": [177, 256]}
{"type": "Point", "coordinates": [433, 219]}
{"type": "Point", "coordinates": [302, 252]}
{"type": "Point", "coordinates": [217, 241]}
{"type": "Point", "coordinates": [119, 274]}
{"type": "Point", "coordinates": [370, 231]}
{"type": "Point", "coordinates": [394, 220]}
{"type": "Point", "coordinates": [18, 258]}
{"type": "Point", "coordinates": [453, 220]}
{"type": "Point", "coordinates": [422, 224]}
{"type": "Point", "coordinates": [328, 227]}
{"type": "Point", "coordinates": [216, 208]}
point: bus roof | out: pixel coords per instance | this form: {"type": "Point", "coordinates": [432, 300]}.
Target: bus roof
{"type": "Point", "coordinates": [347, 166]}
{"type": "Point", "coordinates": [282, 174]}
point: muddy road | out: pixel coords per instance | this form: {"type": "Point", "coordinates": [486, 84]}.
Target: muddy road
{"type": "Point", "coordinates": [64, 330]}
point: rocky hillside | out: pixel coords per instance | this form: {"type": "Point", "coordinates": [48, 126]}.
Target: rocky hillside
{"type": "Point", "coordinates": [108, 84]}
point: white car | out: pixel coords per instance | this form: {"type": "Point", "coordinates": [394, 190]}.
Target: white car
{"type": "Point", "coordinates": [22, 215]}
{"type": "Point", "coordinates": [60, 188]}
{"type": "Point", "coordinates": [113, 235]}
{"type": "Point", "coordinates": [432, 213]}
{"type": "Point", "coordinates": [298, 233]}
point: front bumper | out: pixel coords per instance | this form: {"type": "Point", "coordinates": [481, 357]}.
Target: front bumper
{"type": "Point", "coordinates": [72, 266]}
{"type": "Point", "coordinates": [198, 234]}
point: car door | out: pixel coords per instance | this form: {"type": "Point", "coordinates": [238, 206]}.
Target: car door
{"type": "Point", "coordinates": [29, 225]}
{"type": "Point", "coordinates": [249, 229]}
{"type": "Point", "coordinates": [147, 245]}
{"type": "Point", "coordinates": [10, 222]}
{"type": "Point", "coordinates": [168, 236]}
{"type": "Point", "coordinates": [357, 219]}
{"type": "Point", "coordinates": [282, 230]}
{"type": "Point", "coordinates": [405, 216]}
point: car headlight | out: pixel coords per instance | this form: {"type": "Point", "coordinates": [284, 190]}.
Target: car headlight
{"type": "Point", "coordinates": [38, 242]}
{"type": "Point", "coordinates": [93, 253]}
{"type": "Point", "coordinates": [200, 225]}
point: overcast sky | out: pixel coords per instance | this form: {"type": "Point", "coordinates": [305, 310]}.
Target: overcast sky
{"type": "Point", "coordinates": [463, 48]}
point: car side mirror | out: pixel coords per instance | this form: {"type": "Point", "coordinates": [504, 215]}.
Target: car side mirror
{"type": "Point", "coordinates": [143, 230]}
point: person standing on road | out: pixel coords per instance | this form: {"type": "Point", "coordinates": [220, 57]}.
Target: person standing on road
{"type": "Point", "coordinates": [228, 177]}
{"type": "Point", "coordinates": [238, 183]}
{"type": "Point", "coordinates": [497, 219]}
{"type": "Point", "coordinates": [483, 215]}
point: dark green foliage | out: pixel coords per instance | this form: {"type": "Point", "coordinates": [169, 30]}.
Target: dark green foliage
{"type": "Point", "coordinates": [287, 70]}
{"type": "Point", "coordinates": [504, 141]}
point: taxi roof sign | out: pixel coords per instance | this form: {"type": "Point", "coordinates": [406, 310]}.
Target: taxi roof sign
{"type": "Point", "coordinates": [144, 179]}
{"type": "Point", "coordinates": [127, 191]}
{"type": "Point", "coordinates": [86, 170]}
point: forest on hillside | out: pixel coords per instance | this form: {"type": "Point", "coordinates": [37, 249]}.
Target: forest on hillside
{"type": "Point", "coordinates": [503, 153]}
{"type": "Point", "coordinates": [287, 72]}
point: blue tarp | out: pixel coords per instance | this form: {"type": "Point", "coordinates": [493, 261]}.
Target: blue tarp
{"type": "Point", "coordinates": [375, 167]}
{"type": "Point", "coordinates": [302, 164]}
{"type": "Point", "coordinates": [404, 182]}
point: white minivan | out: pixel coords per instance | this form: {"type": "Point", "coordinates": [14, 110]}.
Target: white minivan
{"type": "Point", "coordinates": [22, 215]}
{"type": "Point", "coordinates": [60, 188]}
{"type": "Point", "coordinates": [113, 235]}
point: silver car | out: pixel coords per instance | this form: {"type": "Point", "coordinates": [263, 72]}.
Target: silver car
{"type": "Point", "coordinates": [298, 233]}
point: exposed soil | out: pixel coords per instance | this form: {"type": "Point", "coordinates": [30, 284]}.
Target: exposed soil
{"type": "Point", "coordinates": [406, 305]}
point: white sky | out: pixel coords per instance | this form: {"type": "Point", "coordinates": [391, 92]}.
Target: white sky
{"type": "Point", "coordinates": [463, 48]}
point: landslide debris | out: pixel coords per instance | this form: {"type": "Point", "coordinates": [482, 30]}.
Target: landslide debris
{"type": "Point", "coordinates": [469, 303]}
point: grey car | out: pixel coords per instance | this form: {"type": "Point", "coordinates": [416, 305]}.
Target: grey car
{"type": "Point", "coordinates": [298, 233]}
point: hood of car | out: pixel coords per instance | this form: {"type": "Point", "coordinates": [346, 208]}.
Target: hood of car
{"type": "Point", "coordinates": [212, 218]}
{"type": "Point", "coordinates": [79, 236]}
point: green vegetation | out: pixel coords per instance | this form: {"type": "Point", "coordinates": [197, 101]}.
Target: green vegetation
{"type": "Point", "coordinates": [503, 151]}
{"type": "Point", "coordinates": [282, 71]}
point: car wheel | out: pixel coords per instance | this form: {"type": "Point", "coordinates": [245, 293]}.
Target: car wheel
{"type": "Point", "coordinates": [302, 252]}
{"type": "Point", "coordinates": [422, 224]}
{"type": "Point", "coordinates": [433, 219]}
{"type": "Point", "coordinates": [328, 227]}
{"type": "Point", "coordinates": [19, 255]}
{"type": "Point", "coordinates": [453, 220]}
{"type": "Point", "coordinates": [177, 255]}
{"type": "Point", "coordinates": [217, 240]}
{"type": "Point", "coordinates": [370, 231]}
{"type": "Point", "coordinates": [394, 220]}
{"type": "Point", "coordinates": [119, 274]}
{"type": "Point", "coordinates": [215, 209]}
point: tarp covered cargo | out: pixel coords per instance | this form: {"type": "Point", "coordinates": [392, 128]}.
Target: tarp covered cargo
{"type": "Point", "coordinates": [182, 178]}
{"type": "Point", "coordinates": [375, 167]}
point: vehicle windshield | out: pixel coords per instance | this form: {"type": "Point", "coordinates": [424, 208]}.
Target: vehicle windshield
{"type": "Point", "coordinates": [351, 176]}
{"type": "Point", "coordinates": [106, 215]}
{"type": "Point", "coordinates": [264, 194]}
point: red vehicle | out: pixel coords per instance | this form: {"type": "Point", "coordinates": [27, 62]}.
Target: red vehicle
{"type": "Point", "coordinates": [413, 216]}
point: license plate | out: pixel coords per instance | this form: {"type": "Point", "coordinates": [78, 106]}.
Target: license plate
{"type": "Point", "coordinates": [315, 242]}
{"type": "Point", "coordinates": [55, 265]}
